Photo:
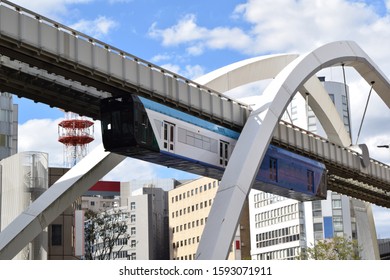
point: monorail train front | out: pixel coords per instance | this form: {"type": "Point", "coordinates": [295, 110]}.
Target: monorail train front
{"type": "Point", "coordinates": [125, 126]}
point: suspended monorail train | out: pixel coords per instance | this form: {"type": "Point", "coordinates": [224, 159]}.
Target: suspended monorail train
{"type": "Point", "coordinates": [140, 128]}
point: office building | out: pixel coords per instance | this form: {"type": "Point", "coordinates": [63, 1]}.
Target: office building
{"type": "Point", "coordinates": [147, 204]}
{"type": "Point", "coordinates": [189, 207]}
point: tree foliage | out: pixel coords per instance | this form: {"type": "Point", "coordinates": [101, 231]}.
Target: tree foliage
{"type": "Point", "coordinates": [337, 248]}
{"type": "Point", "coordinates": [103, 231]}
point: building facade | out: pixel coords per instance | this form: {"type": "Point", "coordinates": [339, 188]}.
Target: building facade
{"type": "Point", "coordinates": [189, 207]}
{"type": "Point", "coordinates": [23, 178]}
{"type": "Point", "coordinates": [65, 241]}
{"type": "Point", "coordinates": [8, 125]}
{"type": "Point", "coordinates": [147, 204]}
{"type": "Point", "coordinates": [281, 228]}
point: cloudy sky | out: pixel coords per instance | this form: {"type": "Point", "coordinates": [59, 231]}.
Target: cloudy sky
{"type": "Point", "coordinates": [193, 38]}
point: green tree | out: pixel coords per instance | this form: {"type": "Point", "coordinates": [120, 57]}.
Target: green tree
{"type": "Point", "coordinates": [105, 234]}
{"type": "Point", "coordinates": [337, 248]}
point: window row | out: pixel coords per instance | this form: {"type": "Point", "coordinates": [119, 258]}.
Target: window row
{"type": "Point", "coordinates": [197, 140]}
{"type": "Point", "coordinates": [186, 242]}
{"type": "Point", "coordinates": [186, 257]}
{"type": "Point", "coordinates": [192, 208]}
{"type": "Point", "coordinates": [276, 241]}
{"type": "Point", "coordinates": [279, 215]}
{"type": "Point", "coordinates": [193, 192]}
{"type": "Point", "coordinates": [288, 209]}
{"type": "Point", "coordinates": [120, 255]}
{"type": "Point", "coordinates": [285, 254]}
{"type": "Point", "coordinates": [277, 220]}
{"type": "Point", "coordinates": [189, 225]}
{"type": "Point", "coordinates": [263, 199]}
{"type": "Point", "coordinates": [277, 233]}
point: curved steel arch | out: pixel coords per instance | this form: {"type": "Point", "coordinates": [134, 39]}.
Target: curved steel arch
{"type": "Point", "coordinates": [257, 133]}
{"type": "Point", "coordinates": [267, 67]}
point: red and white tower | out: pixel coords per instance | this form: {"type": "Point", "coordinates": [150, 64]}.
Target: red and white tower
{"type": "Point", "coordinates": [75, 133]}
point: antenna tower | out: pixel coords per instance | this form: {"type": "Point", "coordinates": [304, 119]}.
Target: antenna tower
{"type": "Point", "coordinates": [75, 132]}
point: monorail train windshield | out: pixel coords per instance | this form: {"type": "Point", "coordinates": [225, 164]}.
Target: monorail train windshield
{"type": "Point", "coordinates": [140, 128]}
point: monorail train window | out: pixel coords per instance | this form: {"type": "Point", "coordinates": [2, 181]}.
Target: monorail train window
{"type": "Point", "coordinates": [168, 137]}
{"type": "Point", "coordinates": [310, 180]}
{"type": "Point", "coordinates": [223, 153]}
{"type": "Point", "coordinates": [273, 169]}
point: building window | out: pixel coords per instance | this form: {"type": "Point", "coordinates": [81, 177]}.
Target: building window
{"type": "Point", "coordinates": [336, 203]}
{"type": "Point", "coordinates": [132, 205]}
{"type": "Point", "coordinates": [56, 235]}
{"type": "Point", "coordinates": [132, 231]}
{"type": "Point", "coordinates": [317, 226]}
{"type": "Point", "coordinates": [223, 153]}
{"type": "Point", "coordinates": [4, 140]}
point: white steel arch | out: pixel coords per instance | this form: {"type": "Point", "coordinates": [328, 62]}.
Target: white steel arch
{"type": "Point", "coordinates": [251, 146]}
{"type": "Point", "coordinates": [267, 67]}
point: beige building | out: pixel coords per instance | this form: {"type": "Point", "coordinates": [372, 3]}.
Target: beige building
{"type": "Point", "coordinates": [189, 207]}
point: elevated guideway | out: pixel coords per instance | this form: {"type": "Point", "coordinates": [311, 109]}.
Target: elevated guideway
{"type": "Point", "coordinates": [347, 173]}
{"type": "Point", "coordinates": [50, 63]}
{"type": "Point", "coordinates": [40, 42]}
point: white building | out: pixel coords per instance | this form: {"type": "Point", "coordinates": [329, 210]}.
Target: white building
{"type": "Point", "coordinates": [147, 202]}
{"type": "Point", "coordinates": [281, 227]}
{"type": "Point", "coordinates": [23, 177]}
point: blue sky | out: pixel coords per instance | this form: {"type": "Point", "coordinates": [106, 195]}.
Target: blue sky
{"type": "Point", "coordinates": [193, 38]}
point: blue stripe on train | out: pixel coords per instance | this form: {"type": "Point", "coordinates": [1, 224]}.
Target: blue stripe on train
{"type": "Point", "coordinates": [188, 118]}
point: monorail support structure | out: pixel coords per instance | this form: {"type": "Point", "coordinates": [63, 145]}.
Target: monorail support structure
{"type": "Point", "coordinates": [257, 133]}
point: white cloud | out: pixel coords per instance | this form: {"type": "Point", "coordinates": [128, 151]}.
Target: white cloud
{"type": "Point", "coordinates": [302, 25]}
{"type": "Point", "coordinates": [284, 26]}
{"type": "Point", "coordinates": [131, 169]}
{"type": "Point", "coordinates": [95, 28]}
{"type": "Point", "coordinates": [186, 31]}
{"type": "Point", "coordinates": [44, 141]}
{"type": "Point", "coordinates": [161, 57]}
{"type": "Point", "coordinates": [172, 67]}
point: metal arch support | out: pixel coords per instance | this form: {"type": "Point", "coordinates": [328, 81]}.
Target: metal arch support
{"type": "Point", "coordinates": [267, 67]}
{"type": "Point", "coordinates": [257, 133]}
